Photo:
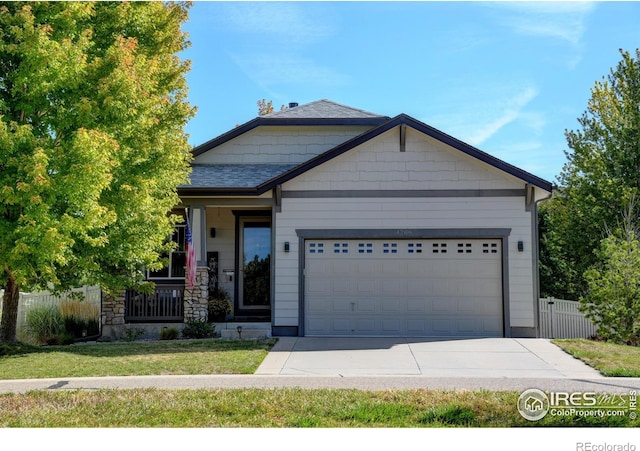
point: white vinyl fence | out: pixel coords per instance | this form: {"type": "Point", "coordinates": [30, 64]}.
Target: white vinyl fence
{"type": "Point", "coordinates": [29, 300]}
{"type": "Point", "coordinates": [560, 318]}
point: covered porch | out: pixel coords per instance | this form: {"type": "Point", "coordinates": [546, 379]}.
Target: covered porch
{"type": "Point", "coordinates": [233, 240]}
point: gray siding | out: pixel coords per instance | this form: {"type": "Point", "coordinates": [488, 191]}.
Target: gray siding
{"type": "Point", "coordinates": [407, 213]}
{"type": "Point", "coordinates": [280, 144]}
{"type": "Point", "coordinates": [426, 165]}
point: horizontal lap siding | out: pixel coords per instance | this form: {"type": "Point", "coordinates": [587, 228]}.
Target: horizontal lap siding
{"type": "Point", "coordinates": [426, 164]}
{"type": "Point", "coordinates": [371, 213]}
{"type": "Point", "coordinates": [223, 220]}
{"type": "Point", "coordinates": [279, 145]}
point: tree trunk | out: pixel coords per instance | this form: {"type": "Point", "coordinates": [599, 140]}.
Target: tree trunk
{"type": "Point", "coordinates": [9, 320]}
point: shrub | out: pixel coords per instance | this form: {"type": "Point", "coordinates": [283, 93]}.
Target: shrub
{"type": "Point", "coordinates": [63, 338]}
{"type": "Point", "coordinates": [44, 322]}
{"type": "Point", "coordinates": [218, 309]}
{"type": "Point", "coordinates": [198, 329]}
{"type": "Point", "coordinates": [219, 305]}
{"type": "Point", "coordinates": [169, 333]}
{"type": "Point", "coordinates": [132, 334]}
{"type": "Point", "coordinates": [613, 299]}
{"type": "Point", "coordinates": [80, 328]}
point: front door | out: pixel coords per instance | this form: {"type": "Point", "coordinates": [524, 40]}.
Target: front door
{"type": "Point", "coordinates": [254, 266]}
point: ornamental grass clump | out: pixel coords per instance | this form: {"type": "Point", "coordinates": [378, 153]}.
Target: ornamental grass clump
{"type": "Point", "coordinates": [44, 323]}
{"type": "Point", "coordinates": [80, 318]}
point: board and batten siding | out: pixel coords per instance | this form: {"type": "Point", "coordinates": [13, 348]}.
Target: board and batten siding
{"type": "Point", "coordinates": [279, 144]}
{"type": "Point", "coordinates": [427, 165]}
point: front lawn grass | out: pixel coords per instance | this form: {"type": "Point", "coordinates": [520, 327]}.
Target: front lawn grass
{"type": "Point", "coordinates": [608, 358]}
{"type": "Point", "coordinates": [277, 408]}
{"type": "Point", "coordinates": [133, 359]}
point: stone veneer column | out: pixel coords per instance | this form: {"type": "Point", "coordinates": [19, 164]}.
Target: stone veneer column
{"type": "Point", "coordinates": [196, 298]}
{"type": "Point", "coordinates": [112, 316]}
{"type": "Point", "coordinates": [113, 309]}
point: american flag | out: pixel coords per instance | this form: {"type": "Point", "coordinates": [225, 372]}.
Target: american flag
{"type": "Point", "coordinates": [190, 278]}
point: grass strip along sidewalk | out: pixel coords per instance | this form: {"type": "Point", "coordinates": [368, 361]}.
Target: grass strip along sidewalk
{"type": "Point", "coordinates": [278, 408]}
{"type": "Point", "coordinates": [612, 360]}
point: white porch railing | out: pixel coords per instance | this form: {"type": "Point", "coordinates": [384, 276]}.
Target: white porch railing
{"type": "Point", "coordinates": [560, 318]}
{"type": "Point", "coordinates": [29, 300]}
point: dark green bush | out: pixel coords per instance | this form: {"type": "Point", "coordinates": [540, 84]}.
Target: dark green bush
{"type": "Point", "coordinates": [80, 328]}
{"type": "Point", "coordinates": [198, 329]}
{"type": "Point", "coordinates": [219, 305]}
{"type": "Point", "coordinates": [132, 334]}
{"type": "Point", "coordinates": [63, 338]}
{"type": "Point", "coordinates": [169, 333]}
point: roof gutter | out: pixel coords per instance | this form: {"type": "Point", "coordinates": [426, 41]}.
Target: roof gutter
{"type": "Point", "coordinates": [188, 192]}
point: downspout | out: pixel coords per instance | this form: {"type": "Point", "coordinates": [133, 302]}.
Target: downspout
{"type": "Point", "coordinates": [536, 259]}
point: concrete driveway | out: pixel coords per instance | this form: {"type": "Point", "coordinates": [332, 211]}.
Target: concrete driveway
{"type": "Point", "coordinates": [478, 357]}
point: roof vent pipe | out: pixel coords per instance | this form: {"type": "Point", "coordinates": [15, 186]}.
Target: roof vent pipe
{"type": "Point", "coordinates": [293, 104]}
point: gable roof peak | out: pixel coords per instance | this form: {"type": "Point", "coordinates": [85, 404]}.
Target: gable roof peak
{"type": "Point", "coordinates": [322, 109]}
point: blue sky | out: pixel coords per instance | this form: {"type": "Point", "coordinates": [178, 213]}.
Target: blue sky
{"type": "Point", "coordinates": [508, 78]}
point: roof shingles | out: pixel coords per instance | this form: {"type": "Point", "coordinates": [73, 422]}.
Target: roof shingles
{"type": "Point", "coordinates": [214, 176]}
{"type": "Point", "coordinates": [322, 109]}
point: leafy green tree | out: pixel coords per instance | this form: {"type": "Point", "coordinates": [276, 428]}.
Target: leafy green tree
{"type": "Point", "coordinates": [612, 301]}
{"type": "Point", "coordinates": [598, 180]}
{"type": "Point", "coordinates": [557, 277]}
{"type": "Point", "coordinates": [92, 144]}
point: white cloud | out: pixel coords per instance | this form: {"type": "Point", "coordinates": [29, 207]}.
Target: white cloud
{"type": "Point", "coordinates": [275, 69]}
{"type": "Point", "coordinates": [275, 20]}
{"type": "Point", "coordinates": [475, 119]}
{"type": "Point", "coordinates": [506, 111]}
{"type": "Point", "coordinates": [561, 20]}
{"type": "Point", "coordinates": [280, 34]}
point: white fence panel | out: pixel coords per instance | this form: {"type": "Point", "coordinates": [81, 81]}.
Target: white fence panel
{"type": "Point", "coordinates": [560, 318]}
{"type": "Point", "coordinates": [28, 300]}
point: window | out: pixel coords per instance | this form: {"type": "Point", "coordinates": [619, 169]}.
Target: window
{"type": "Point", "coordinates": [340, 248]}
{"type": "Point", "coordinates": [177, 258]}
{"type": "Point", "coordinates": [439, 248]}
{"type": "Point", "coordinates": [316, 248]}
{"type": "Point", "coordinates": [489, 248]}
{"type": "Point", "coordinates": [390, 248]}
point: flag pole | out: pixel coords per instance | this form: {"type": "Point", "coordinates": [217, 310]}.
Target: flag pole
{"type": "Point", "coordinates": [190, 269]}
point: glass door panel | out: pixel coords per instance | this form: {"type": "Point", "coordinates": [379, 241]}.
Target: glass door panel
{"type": "Point", "coordinates": [255, 274]}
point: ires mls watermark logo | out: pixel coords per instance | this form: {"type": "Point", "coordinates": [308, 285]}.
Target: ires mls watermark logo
{"type": "Point", "coordinates": [534, 404]}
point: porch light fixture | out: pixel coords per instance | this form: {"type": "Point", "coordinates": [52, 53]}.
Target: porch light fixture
{"type": "Point", "coordinates": [286, 246]}
{"type": "Point", "coordinates": [520, 246]}
{"type": "Point", "coordinates": [213, 232]}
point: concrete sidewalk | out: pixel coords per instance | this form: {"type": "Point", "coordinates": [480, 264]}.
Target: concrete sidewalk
{"type": "Point", "coordinates": [603, 384]}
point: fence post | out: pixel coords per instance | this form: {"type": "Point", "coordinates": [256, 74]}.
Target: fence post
{"type": "Point", "coordinates": [552, 312]}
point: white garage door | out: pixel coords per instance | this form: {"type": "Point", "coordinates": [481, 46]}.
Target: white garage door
{"type": "Point", "coordinates": [428, 288]}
